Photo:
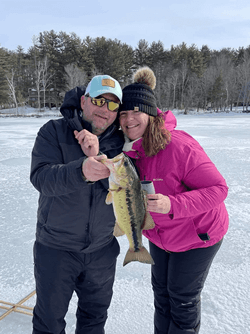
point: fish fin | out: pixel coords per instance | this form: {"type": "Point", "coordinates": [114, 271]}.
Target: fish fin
{"type": "Point", "coordinates": [142, 255]}
{"type": "Point", "coordinates": [148, 222]}
{"type": "Point", "coordinates": [109, 198]}
{"type": "Point", "coordinates": [118, 232]}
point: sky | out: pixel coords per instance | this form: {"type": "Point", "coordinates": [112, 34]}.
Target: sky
{"type": "Point", "coordinates": [217, 24]}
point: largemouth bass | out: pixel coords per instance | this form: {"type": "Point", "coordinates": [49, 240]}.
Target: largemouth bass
{"type": "Point", "coordinates": [129, 203]}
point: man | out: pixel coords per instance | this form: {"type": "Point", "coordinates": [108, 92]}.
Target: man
{"type": "Point", "coordinates": [75, 249]}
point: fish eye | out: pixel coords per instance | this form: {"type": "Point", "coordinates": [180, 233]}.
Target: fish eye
{"type": "Point", "coordinates": [125, 163]}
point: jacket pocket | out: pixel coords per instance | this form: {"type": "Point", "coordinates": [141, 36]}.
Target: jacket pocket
{"type": "Point", "coordinates": [204, 236]}
{"type": "Point", "coordinates": [178, 235]}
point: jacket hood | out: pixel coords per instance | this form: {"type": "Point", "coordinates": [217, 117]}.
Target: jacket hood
{"type": "Point", "coordinates": [169, 117]}
{"type": "Point", "coordinates": [71, 108]}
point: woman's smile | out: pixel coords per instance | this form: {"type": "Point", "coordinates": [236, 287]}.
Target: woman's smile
{"type": "Point", "coordinates": [132, 126]}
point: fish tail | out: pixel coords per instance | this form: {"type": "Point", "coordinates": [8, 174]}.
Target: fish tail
{"type": "Point", "coordinates": [142, 255]}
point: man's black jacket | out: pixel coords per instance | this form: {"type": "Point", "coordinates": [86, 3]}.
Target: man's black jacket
{"type": "Point", "coordinates": [72, 214]}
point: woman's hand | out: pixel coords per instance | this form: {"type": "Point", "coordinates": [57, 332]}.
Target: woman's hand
{"type": "Point", "coordinates": [158, 203]}
{"type": "Point", "coordinates": [88, 142]}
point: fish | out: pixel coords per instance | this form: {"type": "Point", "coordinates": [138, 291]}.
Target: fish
{"type": "Point", "coordinates": [129, 203]}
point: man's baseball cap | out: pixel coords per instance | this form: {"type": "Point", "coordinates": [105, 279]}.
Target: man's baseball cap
{"type": "Point", "coordinates": [101, 84]}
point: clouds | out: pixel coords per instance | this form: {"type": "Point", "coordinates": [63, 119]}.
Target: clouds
{"type": "Point", "coordinates": [218, 25]}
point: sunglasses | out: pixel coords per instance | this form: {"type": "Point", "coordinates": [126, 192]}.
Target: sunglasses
{"type": "Point", "coordinates": [112, 106]}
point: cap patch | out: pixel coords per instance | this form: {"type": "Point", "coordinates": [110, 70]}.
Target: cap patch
{"type": "Point", "coordinates": [108, 82]}
{"type": "Point", "coordinates": [136, 108]}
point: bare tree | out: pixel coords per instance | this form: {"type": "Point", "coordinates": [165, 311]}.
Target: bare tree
{"type": "Point", "coordinates": [12, 89]}
{"type": "Point", "coordinates": [230, 81]}
{"type": "Point", "coordinates": [159, 89]}
{"type": "Point", "coordinates": [38, 78]}
{"type": "Point", "coordinates": [244, 73]}
{"type": "Point", "coordinates": [191, 96]}
{"type": "Point", "coordinates": [225, 66]}
{"type": "Point", "coordinates": [174, 81]}
{"type": "Point", "coordinates": [184, 79]}
{"type": "Point", "coordinates": [76, 76]}
{"type": "Point", "coordinates": [45, 77]}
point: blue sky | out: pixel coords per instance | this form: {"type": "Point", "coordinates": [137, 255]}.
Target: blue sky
{"type": "Point", "coordinates": [215, 23]}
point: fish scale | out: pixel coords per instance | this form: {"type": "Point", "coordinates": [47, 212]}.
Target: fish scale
{"type": "Point", "coordinates": [129, 203]}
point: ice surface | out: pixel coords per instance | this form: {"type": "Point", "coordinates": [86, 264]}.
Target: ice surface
{"type": "Point", "coordinates": [225, 299]}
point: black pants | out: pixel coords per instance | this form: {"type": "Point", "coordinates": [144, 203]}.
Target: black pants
{"type": "Point", "coordinates": [177, 280]}
{"type": "Point", "coordinates": [59, 273]}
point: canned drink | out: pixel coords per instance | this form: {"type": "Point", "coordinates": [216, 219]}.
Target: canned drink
{"type": "Point", "coordinates": [148, 186]}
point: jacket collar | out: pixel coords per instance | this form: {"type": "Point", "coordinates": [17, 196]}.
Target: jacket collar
{"type": "Point", "coordinates": [133, 148]}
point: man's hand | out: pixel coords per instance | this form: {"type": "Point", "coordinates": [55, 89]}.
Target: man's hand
{"type": "Point", "coordinates": [94, 170]}
{"type": "Point", "coordinates": [88, 142]}
{"type": "Point", "coordinates": [158, 203]}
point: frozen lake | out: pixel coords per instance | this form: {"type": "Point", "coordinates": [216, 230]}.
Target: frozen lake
{"type": "Point", "coordinates": [226, 305]}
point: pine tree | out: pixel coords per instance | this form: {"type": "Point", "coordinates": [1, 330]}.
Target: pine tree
{"type": "Point", "coordinates": [51, 45]}
{"type": "Point", "coordinates": [142, 53]}
{"type": "Point", "coordinates": [111, 57]}
{"type": "Point", "coordinates": [217, 92]}
{"type": "Point", "coordinates": [3, 70]}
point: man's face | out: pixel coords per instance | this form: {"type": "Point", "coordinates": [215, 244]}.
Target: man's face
{"type": "Point", "coordinates": [99, 117]}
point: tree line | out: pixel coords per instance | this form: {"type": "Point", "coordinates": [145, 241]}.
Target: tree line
{"type": "Point", "coordinates": [187, 77]}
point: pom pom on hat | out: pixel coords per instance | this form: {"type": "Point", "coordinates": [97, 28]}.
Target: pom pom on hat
{"type": "Point", "coordinates": [145, 76]}
{"type": "Point", "coordinates": [139, 95]}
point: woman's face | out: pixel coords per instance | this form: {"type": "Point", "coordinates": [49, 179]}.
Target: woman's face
{"type": "Point", "coordinates": [133, 123]}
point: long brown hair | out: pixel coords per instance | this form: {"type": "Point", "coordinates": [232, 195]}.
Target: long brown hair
{"type": "Point", "coordinates": [156, 137]}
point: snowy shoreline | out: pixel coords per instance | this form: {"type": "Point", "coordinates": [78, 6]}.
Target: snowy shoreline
{"type": "Point", "coordinates": [33, 112]}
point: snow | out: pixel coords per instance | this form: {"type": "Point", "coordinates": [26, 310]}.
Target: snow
{"type": "Point", "coordinates": [225, 298]}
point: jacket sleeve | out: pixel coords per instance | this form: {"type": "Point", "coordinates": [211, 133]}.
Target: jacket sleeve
{"type": "Point", "coordinates": [205, 186]}
{"type": "Point", "coordinates": [49, 174]}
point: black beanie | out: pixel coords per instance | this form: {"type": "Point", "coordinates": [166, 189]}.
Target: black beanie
{"type": "Point", "coordinates": [139, 95]}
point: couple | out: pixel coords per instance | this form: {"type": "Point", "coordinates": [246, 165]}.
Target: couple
{"type": "Point", "coordinates": [75, 249]}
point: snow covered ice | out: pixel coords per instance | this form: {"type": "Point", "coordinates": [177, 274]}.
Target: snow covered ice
{"type": "Point", "coordinates": [226, 296]}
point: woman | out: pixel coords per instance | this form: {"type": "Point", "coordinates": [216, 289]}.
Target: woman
{"type": "Point", "coordinates": [187, 207]}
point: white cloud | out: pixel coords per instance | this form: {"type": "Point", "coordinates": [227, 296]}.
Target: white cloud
{"type": "Point", "coordinates": [223, 24]}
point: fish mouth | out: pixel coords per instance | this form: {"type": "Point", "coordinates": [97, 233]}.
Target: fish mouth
{"type": "Point", "coordinates": [110, 163]}
{"type": "Point", "coordinates": [117, 158]}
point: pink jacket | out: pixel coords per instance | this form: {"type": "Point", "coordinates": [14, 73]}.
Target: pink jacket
{"type": "Point", "coordinates": [198, 217]}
